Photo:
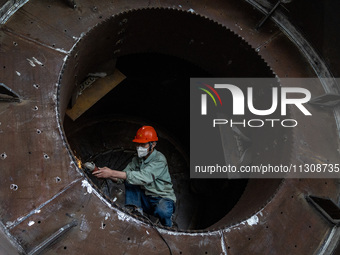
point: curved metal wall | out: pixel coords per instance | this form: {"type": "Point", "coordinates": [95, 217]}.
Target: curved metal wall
{"type": "Point", "coordinates": [47, 203]}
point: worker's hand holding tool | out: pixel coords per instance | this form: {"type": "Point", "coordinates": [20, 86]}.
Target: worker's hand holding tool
{"type": "Point", "coordinates": [103, 172]}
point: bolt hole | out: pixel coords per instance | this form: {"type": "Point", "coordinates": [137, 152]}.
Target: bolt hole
{"type": "Point", "coordinates": [39, 222]}
{"type": "Point", "coordinates": [57, 179]}
{"type": "Point", "coordinates": [124, 21]}
{"type": "Point", "coordinates": [38, 131]}
{"type": "Point", "coordinates": [14, 187]}
{"type": "Point", "coordinates": [326, 183]}
{"type": "Point", "coordinates": [15, 44]}
{"type": "Point", "coordinates": [46, 156]}
{"type": "Point", "coordinates": [35, 108]}
{"type": "Point", "coordinates": [100, 17]}
{"type": "Point", "coordinates": [249, 238]}
{"type": "Point", "coordinates": [3, 155]}
{"type": "Point", "coordinates": [310, 226]}
{"type": "Point", "coordinates": [180, 252]}
{"type": "Point", "coordinates": [128, 238]}
{"type": "Point", "coordinates": [4, 67]}
{"type": "Point", "coordinates": [295, 245]}
{"type": "Point", "coordinates": [121, 31]}
{"type": "Point", "coordinates": [29, 152]}
{"type": "Point", "coordinates": [36, 86]}
{"type": "Point", "coordinates": [65, 30]}
{"type": "Point", "coordinates": [292, 196]}
{"type": "Point", "coordinates": [281, 212]}
{"type": "Point", "coordinates": [65, 247]}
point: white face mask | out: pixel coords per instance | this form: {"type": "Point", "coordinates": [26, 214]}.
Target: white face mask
{"type": "Point", "coordinates": [142, 152]}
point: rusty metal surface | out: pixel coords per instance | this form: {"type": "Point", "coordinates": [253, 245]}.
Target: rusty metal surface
{"type": "Point", "coordinates": [47, 49]}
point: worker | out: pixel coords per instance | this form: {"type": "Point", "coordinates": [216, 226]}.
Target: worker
{"type": "Point", "coordinates": [148, 186]}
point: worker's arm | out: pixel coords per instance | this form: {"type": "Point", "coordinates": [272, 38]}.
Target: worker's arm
{"type": "Point", "coordinates": [105, 172]}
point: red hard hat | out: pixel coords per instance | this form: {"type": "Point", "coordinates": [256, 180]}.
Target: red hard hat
{"type": "Point", "coordinates": [145, 134]}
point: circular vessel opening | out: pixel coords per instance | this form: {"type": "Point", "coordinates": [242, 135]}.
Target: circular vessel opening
{"type": "Point", "coordinates": [159, 50]}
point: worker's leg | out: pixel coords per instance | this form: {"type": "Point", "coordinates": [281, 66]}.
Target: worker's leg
{"type": "Point", "coordinates": [134, 196]}
{"type": "Point", "coordinates": [164, 210]}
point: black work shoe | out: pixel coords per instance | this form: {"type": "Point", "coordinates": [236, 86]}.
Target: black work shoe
{"type": "Point", "coordinates": [174, 225]}
{"type": "Point", "coordinates": [133, 210]}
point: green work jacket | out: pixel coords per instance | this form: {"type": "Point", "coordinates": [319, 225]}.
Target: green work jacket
{"type": "Point", "coordinates": [152, 175]}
